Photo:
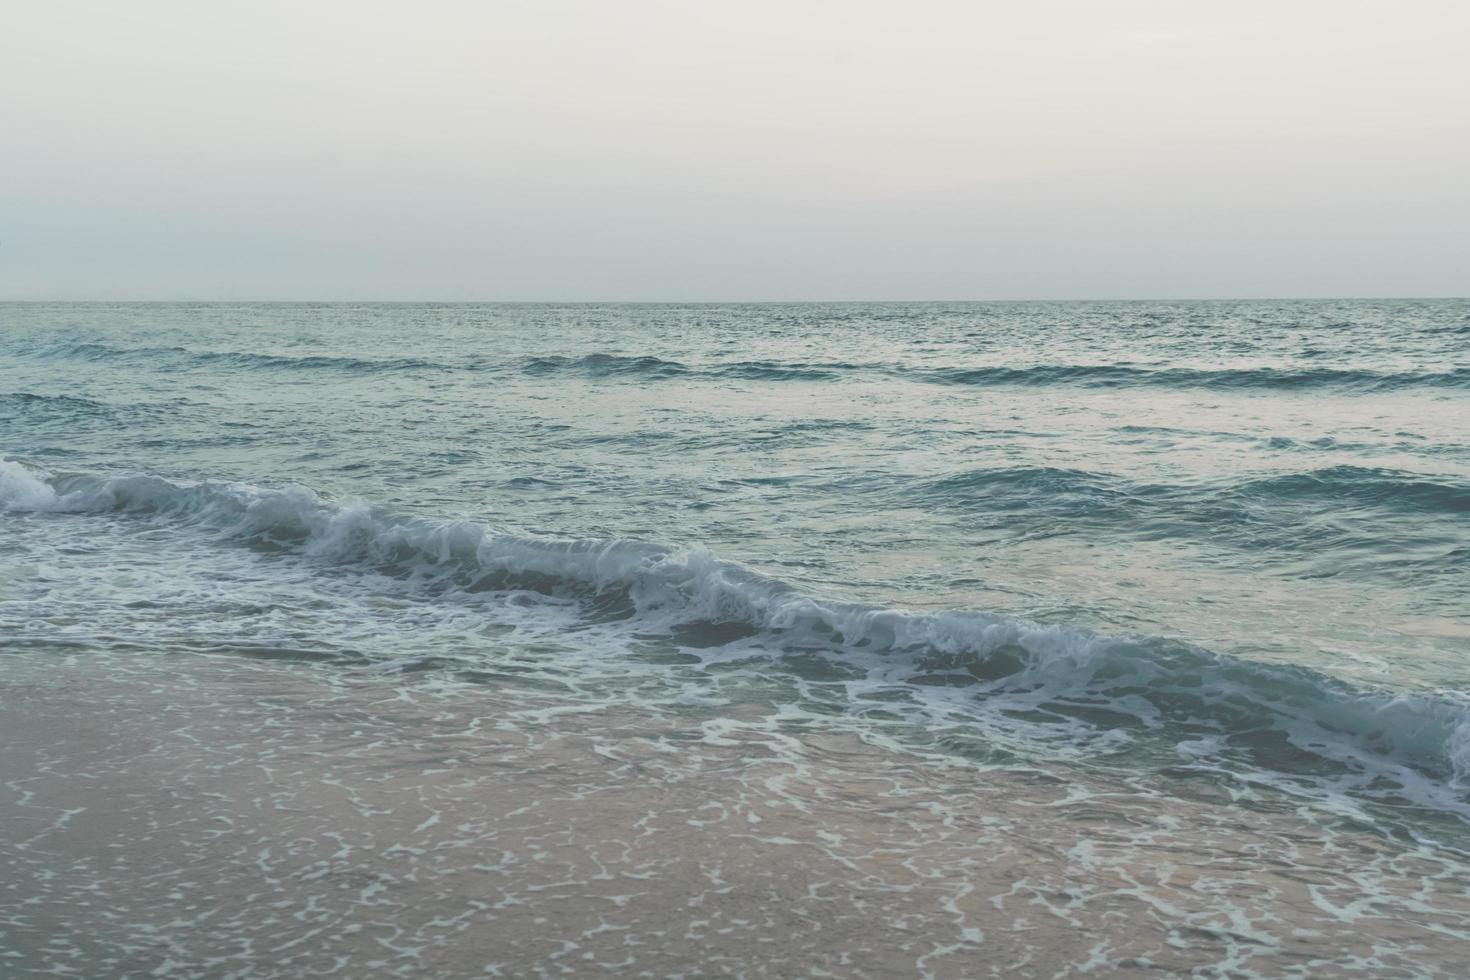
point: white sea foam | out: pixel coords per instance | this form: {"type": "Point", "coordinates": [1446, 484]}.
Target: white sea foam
{"type": "Point", "coordinates": [22, 488]}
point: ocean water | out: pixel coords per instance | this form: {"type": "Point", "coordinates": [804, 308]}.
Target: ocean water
{"type": "Point", "coordinates": [1078, 577]}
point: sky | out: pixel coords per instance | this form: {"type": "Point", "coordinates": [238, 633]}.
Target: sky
{"type": "Point", "coordinates": [565, 150]}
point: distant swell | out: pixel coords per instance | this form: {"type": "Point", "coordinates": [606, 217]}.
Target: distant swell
{"type": "Point", "coordinates": [26, 403]}
{"type": "Point", "coordinates": [1227, 379]}
{"type": "Point", "coordinates": [67, 412]}
{"type": "Point", "coordinates": [1080, 491]}
{"type": "Point", "coordinates": [610, 366]}
{"type": "Point", "coordinates": [1038, 682]}
{"type": "Point", "coordinates": [606, 366]}
{"type": "Point", "coordinates": [603, 365]}
{"type": "Point", "coordinates": [180, 356]}
{"type": "Point", "coordinates": [1366, 485]}
{"type": "Point", "coordinates": [653, 368]}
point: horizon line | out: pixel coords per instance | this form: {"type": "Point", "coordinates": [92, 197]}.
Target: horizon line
{"type": "Point", "coordinates": [722, 302]}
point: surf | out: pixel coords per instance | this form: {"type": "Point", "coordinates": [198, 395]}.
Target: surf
{"type": "Point", "coordinates": [1035, 687]}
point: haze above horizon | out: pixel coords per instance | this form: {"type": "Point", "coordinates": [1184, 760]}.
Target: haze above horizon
{"type": "Point", "coordinates": [653, 151]}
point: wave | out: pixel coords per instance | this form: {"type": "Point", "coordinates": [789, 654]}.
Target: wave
{"type": "Point", "coordinates": [66, 412]}
{"type": "Point", "coordinates": [652, 368]}
{"type": "Point", "coordinates": [606, 365]}
{"type": "Point", "coordinates": [1037, 684]}
{"type": "Point", "coordinates": [1389, 526]}
{"type": "Point", "coordinates": [25, 402]}
{"type": "Point", "coordinates": [603, 365]}
{"type": "Point", "coordinates": [1365, 485]}
{"type": "Point", "coordinates": [1121, 375]}
{"type": "Point", "coordinates": [182, 356]}
{"type": "Point", "coordinates": [787, 370]}
{"type": "Point", "coordinates": [1082, 492]}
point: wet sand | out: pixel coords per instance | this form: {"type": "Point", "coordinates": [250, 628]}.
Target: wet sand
{"type": "Point", "coordinates": [192, 816]}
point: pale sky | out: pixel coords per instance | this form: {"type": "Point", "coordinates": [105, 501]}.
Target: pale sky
{"type": "Point", "coordinates": [635, 150]}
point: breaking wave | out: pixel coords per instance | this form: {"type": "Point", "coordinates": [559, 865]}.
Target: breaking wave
{"type": "Point", "coordinates": [1026, 684]}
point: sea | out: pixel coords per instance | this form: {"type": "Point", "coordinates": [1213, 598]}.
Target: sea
{"type": "Point", "coordinates": [748, 640]}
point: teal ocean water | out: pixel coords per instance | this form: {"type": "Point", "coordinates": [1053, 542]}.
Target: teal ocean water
{"type": "Point", "coordinates": [1207, 551]}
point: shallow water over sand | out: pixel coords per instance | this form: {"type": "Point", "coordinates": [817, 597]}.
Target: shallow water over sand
{"type": "Point", "coordinates": [267, 818]}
